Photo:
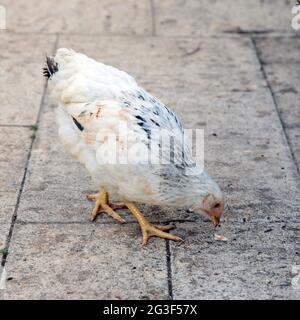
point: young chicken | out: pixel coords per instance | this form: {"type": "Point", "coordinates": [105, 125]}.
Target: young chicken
{"type": "Point", "coordinates": [99, 105]}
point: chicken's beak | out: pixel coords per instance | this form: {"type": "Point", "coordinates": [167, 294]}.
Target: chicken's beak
{"type": "Point", "coordinates": [215, 220]}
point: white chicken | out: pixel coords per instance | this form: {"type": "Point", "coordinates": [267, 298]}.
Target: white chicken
{"type": "Point", "coordinates": [97, 106]}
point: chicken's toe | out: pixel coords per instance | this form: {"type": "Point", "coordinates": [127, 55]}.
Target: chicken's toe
{"type": "Point", "coordinates": [150, 230]}
{"type": "Point", "coordinates": [165, 228]}
{"type": "Point", "coordinates": [102, 206]}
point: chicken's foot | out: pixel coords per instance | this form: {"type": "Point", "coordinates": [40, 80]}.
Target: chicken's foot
{"type": "Point", "coordinates": [149, 229]}
{"type": "Point", "coordinates": [102, 205]}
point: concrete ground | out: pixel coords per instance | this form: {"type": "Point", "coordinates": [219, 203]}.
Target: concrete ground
{"type": "Point", "coordinates": [230, 67]}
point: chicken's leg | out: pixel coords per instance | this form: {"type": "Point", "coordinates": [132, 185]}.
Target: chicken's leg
{"type": "Point", "coordinates": [102, 205]}
{"type": "Point", "coordinates": [148, 229]}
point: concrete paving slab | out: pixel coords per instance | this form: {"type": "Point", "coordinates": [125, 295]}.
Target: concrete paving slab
{"type": "Point", "coordinates": [255, 263]}
{"type": "Point", "coordinates": [76, 261]}
{"type": "Point", "coordinates": [20, 64]}
{"type": "Point", "coordinates": [280, 57]}
{"type": "Point", "coordinates": [5, 221]}
{"type": "Point", "coordinates": [14, 148]}
{"type": "Point", "coordinates": [194, 18]}
{"type": "Point", "coordinates": [96, 16]}
{"type": "Point", "coordinates": [246, 151]}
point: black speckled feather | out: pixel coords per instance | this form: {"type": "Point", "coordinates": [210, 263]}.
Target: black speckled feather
{"type": "Point", "coordinates": [78, 125]}
{"type": "Point", "coordinates": [50, 68]}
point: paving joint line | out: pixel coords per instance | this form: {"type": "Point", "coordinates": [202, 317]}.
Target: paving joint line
{"type": "Point", "coordinates": [169, 270]}
{"type": "Point", "coordinates": [275, 103]}
{"type": "Point", "coordinates": [15, 214]}
{"type": "Point", "coordinates": [24, 222]}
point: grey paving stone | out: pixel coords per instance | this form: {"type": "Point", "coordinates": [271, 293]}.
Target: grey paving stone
{"type": "Point", "coordinates": [255, 263]}
{"type": "Point", "coordinates": [20, 64]}
{"type": "Point", "coordinates": [96, 16]}
{"type": "Point", "coordinates": [281, 60]}
{"type": "Point", "coordinates": [235, 272]}
{"type": "Point", "coordinates": [76, 261]}
{"type": "Point", "coordinates": [249, 158]}
{"type": "Point", "coordinates": [193, 17]}
{"type": "Point", "coordinates": [14, 148]}
{"type": "Point", "coordinates": [5, 221]}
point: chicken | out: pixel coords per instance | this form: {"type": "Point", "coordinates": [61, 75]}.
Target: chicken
{"type": "Point", "coordinates": [110, 125]}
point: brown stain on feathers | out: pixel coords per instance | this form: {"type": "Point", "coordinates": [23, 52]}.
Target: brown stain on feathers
{"type": "Point", "coordinates": [88, 138]}
{"type": "Point", "coordinates": [97, 114]}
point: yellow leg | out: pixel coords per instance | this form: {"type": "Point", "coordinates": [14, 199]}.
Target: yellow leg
{"type": "Point", "coordinates": [102, 205]}
{"type": "Point", "coordinates": [148, 229]}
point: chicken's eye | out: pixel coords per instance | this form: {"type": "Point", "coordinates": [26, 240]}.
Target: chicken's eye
{"type": "Point", "coordinates": [217, 205]}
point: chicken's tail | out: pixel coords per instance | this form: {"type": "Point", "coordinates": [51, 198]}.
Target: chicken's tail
{"type": "Point", "coordinates": [50, 68]}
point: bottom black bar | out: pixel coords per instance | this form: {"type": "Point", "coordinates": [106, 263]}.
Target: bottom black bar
{"type": "Point", "coordinates": [145, 309]}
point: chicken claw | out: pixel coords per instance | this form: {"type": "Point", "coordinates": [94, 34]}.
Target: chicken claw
{"type": "Point", "coordinates": [149, 229]}
{"type": "Point", "coordinates": [103, 206]}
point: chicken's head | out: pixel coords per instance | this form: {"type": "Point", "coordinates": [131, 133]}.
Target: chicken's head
{"type": "Point", "coordinates": [212, 205]}
{"type": "Point", "coordinates": [210, 200]}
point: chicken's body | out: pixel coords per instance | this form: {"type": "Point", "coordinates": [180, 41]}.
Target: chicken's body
{"type": "Point", "coordinates": [96, 102]}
